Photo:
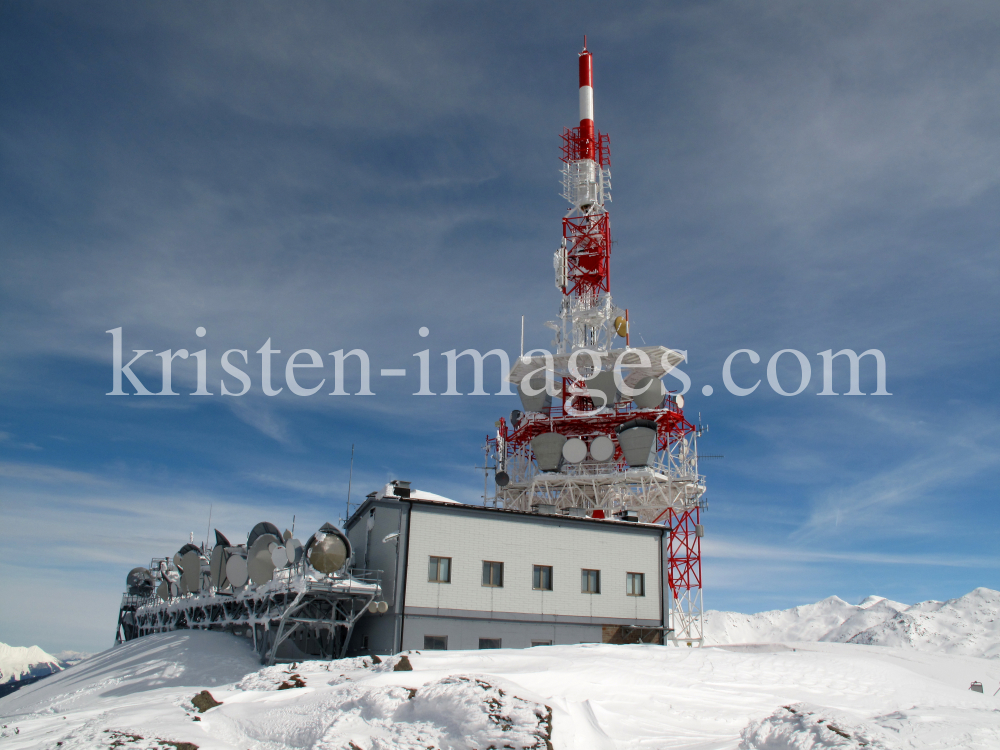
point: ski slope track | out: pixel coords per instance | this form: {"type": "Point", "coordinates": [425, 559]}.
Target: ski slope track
{"type": "Point", "coordinates": [763, 697]}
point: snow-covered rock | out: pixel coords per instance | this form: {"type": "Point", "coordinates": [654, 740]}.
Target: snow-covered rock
{"type": "Point", "coordinates": [967, 625]}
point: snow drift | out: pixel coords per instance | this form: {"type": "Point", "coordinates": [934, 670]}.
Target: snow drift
{"type": "Point", "coordinates": [142, 696]}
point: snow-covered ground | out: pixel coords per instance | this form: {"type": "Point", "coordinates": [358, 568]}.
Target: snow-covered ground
{"type": "Point", "coordinates": [967, 625]}
{"type": "Point", "coordinates": [806, 695]}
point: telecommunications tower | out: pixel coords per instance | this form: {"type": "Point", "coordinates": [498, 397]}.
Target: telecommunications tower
{"type": "Point", "coordinates": [599, 435]}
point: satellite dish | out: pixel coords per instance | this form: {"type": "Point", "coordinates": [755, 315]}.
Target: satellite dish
{"type": "Point", "coordinates": [574, 450]}
{"type": "Point", "coordinates": [328, 550]}
{"type": "Point", "coordinates": [139, 582]}
{"type": "Point", "coordinates": [653, 393]}
{"type": "Point", "coordinates": [602, 448]}
{"type": "Point", "coordinates": [217, 566]}
{"type": "Point", "coordinates": [263, 528]}
{"type": "Point", "coordinates": [540, 401]}
{"type": "Point", "coordinates": [271, 546]}
{"type": "Point", "coordinates": [163, 590]}
{"type": "Point", "coordinates": [236, 570]}
{"type": "Point", "coordinates": [383, 607]}
{"type": "Point", "coordinates": [286, 536]}
{"type": "Point", "coordinates": [293, 548]}
{"type": "Point", "coordinates": [605, 389]}
{"type": "Point", "coordinates": [177, 559]}
{"type": "Point", "coordinates": [680, 401]}
{"type": "Point", "coordinates": [259, 565]}
{"type": "Point", "coordinates": [187, 548]}
{"type": "Point", "coordinates": [515, 417]}
{"type": "Point", "coordinates": [191, 576]}
{"type": "Point", "coordinates": [621, 326]}
{"type": "Point", "coordinates": [502, 478]}
{"type": "Point", "coordinates": [220, 538]}
{"type": "Point", "coordinates": [373, 607]}
{"type": "Point", "coordinates": [279, 557]}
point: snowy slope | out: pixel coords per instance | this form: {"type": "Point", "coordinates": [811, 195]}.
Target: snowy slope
{"type": "Point", "coordinates": [19, 663]}
{"type": "Point", "coordinates": [581, 697]}
{"type": "Point", "coordinates": [967, 625]}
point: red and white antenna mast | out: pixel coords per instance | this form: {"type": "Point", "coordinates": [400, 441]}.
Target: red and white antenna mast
{"type": "Point", "coordinates": [581, 444]}
{"type": "Point", "coordinates": [583, 261]}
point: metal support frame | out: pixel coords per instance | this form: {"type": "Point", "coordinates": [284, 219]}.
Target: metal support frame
{"type": "Point", "coordinates": [317, 616]}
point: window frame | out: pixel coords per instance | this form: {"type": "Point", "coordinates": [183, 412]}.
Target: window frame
{"type": "Point", "coordinates": [437, 573]}
{"type": "Point", "coordinates": [491, 566]}
{"type": "Point", "coordinates": [585, 577]}
{"type": "Point", "coordinates": [538, 569]}
{"type": "Point", "coordinates": [498, 641]}
{"type": "Point", "coordinates": [536, 644]}
{"type": "Point", "coordinates": [630, 578]}
{"type": "Point", "coordinates": [444, 639]}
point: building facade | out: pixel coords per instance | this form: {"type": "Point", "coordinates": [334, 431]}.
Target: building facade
{"type": "Point", "coordinates": [458, 576]}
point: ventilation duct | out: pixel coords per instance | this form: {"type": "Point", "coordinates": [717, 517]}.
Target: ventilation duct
{"type": "Point", "coordinates": [547, 448]}
{"type": "Point", "coordinates": [637, 439]}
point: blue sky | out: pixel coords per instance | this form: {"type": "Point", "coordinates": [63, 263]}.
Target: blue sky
{"type": "Point", "coordinates": [807, 176]}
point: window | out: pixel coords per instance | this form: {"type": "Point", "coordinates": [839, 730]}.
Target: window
{"type": "Point", "coordinates": [541, 643]}
{"type": "Point", "coordinates": [439, 570]}
{"type": "Point", "coordinates": [541, 578]}
{"type": "Point", "coordinates": [489, 643]}
{"type": "Point", "coordinates": [590, 581]}
{"type": "Point", "coordinates": [635, 584]}
{"type": "Point", "coordinates": [492, 575]}
{"type": "Point", "coordinates": [364, 642]}
{"type": "Point", "coordinates": [436, 642]}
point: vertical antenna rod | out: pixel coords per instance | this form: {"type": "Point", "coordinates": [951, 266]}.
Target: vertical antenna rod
{"type": "Point", "coordinates": [589, 150]}
{"type": "Point", "coordinates": [350, 478]}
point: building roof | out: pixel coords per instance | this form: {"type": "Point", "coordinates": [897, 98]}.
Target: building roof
{"type": "Point", "coordinates": [430, 499]}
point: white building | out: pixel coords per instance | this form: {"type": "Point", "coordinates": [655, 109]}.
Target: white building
{"type": "Point", "coordinates": [459, 576]}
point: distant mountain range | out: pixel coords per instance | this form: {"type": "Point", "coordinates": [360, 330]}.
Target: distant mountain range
{"type": "Point", "coordinates": [968, 625]}
{"type": "Point", "coordinates": [20, 665]}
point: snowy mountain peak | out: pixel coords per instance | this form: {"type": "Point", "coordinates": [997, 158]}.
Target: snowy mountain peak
{"type": "Point", "coordinates": [22, 662]}
{"type": "Point", "coordinates": [967, 625]}
{"type": "Point", "coordinates": [870, 600]}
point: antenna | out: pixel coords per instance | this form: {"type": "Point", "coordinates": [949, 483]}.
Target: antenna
{"type": "Point", "coordinates": [350, 478]}
{"type": "Point", "coordinates": [209, 529]}
{"type": "Point", "coordinates": [522, 336]}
